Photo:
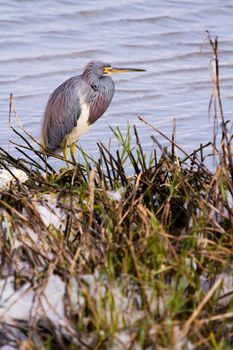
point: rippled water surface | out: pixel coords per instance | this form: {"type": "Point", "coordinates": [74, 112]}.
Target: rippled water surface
{"type": "Point", "coordinates": [44, 42]}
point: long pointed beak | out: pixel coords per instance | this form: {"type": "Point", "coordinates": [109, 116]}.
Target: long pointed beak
{"type": "Point", "coordinates": [112, 70]}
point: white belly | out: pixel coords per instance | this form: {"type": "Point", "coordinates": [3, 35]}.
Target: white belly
{"type": "Point", "coordinates": [82, 126]}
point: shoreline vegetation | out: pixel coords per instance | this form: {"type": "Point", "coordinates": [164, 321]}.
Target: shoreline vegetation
{"type": "Point", "coordinates": [92, 258]}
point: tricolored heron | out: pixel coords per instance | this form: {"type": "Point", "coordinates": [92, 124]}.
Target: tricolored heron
{"type": "Point", "coordinates": [76, 104]}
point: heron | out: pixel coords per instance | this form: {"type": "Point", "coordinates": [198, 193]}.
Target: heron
{"type": "Point", "coordinates": [76, 105]}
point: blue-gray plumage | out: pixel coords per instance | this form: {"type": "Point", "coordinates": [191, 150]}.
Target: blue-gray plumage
{"type": "Point", "coordinates": [76, 104]}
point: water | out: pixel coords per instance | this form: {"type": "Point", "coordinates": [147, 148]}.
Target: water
{"type": "Point", "coordinates": [43, 43]}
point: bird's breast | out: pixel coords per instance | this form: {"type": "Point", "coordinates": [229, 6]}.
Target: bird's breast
{"type": "Point", "coordinates": [82, 125]}
{"type": "Point", "coordinates": [101, 101]}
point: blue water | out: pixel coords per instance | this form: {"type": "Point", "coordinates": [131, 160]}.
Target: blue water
{"type": "Point", "coordinates": [42, 43]}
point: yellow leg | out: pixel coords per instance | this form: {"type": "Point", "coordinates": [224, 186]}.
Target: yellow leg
{"type": "Point", "coordinates": [65, 152]}
{"type": "Point", "coordinates": [72, 152]}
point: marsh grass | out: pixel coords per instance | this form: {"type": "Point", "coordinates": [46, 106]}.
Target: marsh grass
{"type": "Point", "coordinates": [150, 252]}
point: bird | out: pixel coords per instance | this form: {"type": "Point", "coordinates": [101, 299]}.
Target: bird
{"type": "Point", "coordinates": [75, 105]}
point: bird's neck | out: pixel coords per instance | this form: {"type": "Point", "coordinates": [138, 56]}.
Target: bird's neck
{"type": "Point", "coordinates": [95, 82]}
{"type": "Point", "coordinates": [90, 78]}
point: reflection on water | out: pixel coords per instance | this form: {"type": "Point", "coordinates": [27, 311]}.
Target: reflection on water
{"type": "Point", "coordinates": [43, 43]}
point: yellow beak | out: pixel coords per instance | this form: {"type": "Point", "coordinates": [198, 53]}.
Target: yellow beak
{"type": "Point", "coordinates": [112, 70]}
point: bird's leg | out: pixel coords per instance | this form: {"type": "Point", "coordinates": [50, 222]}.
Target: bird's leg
{"type": "Point", "coordinates": [72, 152]}
{"type": "Point", "coordinates": [65, 152]}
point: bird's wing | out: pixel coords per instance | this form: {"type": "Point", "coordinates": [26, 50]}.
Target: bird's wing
{"type": "Point", "coordinates": [62, 112]}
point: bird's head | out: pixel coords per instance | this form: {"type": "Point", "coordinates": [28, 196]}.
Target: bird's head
{"type": "Point", "coordinates": [99, 69]}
